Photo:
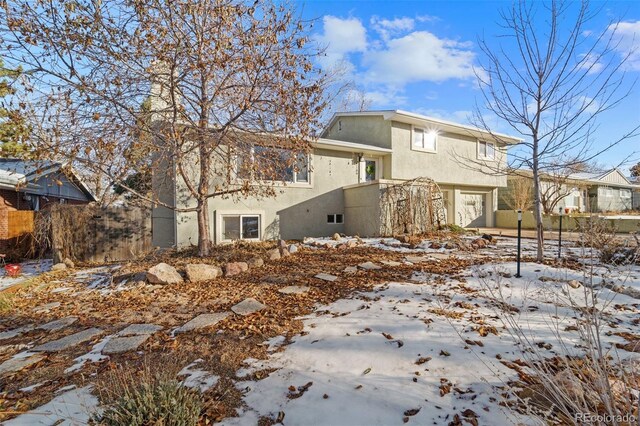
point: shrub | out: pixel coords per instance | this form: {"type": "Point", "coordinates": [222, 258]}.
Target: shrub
{"type": "Point", "coordinates": [456, 229]}
{"type": "Point", "coordinates": [6, 304]}
{"type": "Point", "coordinates": [146, 398]}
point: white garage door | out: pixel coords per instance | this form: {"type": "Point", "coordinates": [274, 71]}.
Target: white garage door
{"type": "Point", "coordinates": [472, 211]}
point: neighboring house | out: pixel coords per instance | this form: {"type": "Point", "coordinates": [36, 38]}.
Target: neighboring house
{"type": "Point", "coordinates": [583, 192]}
{"type": "Point", "coordinates": [31, 185]}
{"type": "Point", "coordinates": [338, 186]}
{"type": "Point", "coordinates": [607, 191]}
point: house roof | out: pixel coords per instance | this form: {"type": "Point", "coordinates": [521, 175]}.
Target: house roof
{"type": "Point", "coordinates": [419, 119]}
{"type": "Point", "coordinates": [22, 175]}
{"type": "Point", "coordinates": [594, 178]}
{"type": "Point", "coordinates": [338, 145]}
{"type": "Point", "coordinates": [607, 177]}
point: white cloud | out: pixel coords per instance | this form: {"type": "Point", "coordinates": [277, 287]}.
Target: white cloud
{"type": "Point", "coordinates": [590, 105]}
{"type": "Point", "coordinates": [427, 18]}
{"type": "Point", "coordinates": [590, 62]}
{"type": "Point", "coordinates": [386, 98]}
{"type": "Point", "coordinates": [390, 27]}
{"type": "Point", "coordinates": [628, 42]}
{"type": "Point", "coordinates": [461, 116]}
{"type": "Point", "coordinates": [419, 56]}
{"type": "Point", "coordinates": [341, 37]}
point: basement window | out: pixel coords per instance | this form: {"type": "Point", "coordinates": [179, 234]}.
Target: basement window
{"type": "Point", "coordinates": [335, 218]}
{"type": "Point", "coordinates": [240, 227]}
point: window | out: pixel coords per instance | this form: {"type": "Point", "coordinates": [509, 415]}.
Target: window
{"type": "Point", "coordinates": [335, 218]}
{"type": "Point", "coordinates": [625, 193]}
{"type": "Point", "coordinates": [486, 150]}
{"type": "Point", "coordinates": [240, 227]}
{"type": "Point", "coordinates": [424, 140]}
{"type": "Point", "coordinates": [370, 170]}
{"type": "Point", "coordinates": [272, 164]}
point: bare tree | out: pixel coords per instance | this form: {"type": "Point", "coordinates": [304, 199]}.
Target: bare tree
{"type": "Point", "coordinates": [550, 83]}
{"type": "Point", "coordinates": [519, 195]}
{"type": "Point", "coordinates": [223, 75]}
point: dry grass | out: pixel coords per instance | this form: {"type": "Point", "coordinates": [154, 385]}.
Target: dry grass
{"type": "Point", "coordinates": [6, 303]}
{"type": "Point", "coordinates": [150, 395]}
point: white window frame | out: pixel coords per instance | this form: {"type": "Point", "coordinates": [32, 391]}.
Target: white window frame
{"type": "Point", "coordinates": [363, 168]}
{"type": "Point", "coordinates": [219, 215]}
{"type": "Point", "coordinates": [486, 143]}
{"type": "Point", "coordinates": [625, 193]}
{"type": "Point", "coordinates": [294, 182]}
{"type": "Point", "coordinates": [425, 132]}
{"type": "Point", "coordinates": [335, 219]}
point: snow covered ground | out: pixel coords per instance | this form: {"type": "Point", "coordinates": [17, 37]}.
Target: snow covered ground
{"type": "Point", "coordinates": [30, 269]}
{"type": "Point", "coordinates": [429, 350]}
{"type": "Point", "coordinates": [424, 351]}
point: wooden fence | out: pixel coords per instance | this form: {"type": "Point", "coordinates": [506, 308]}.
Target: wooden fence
{"type": "Point", "coordinates": [20, 222]}
{"type": "Point", "coordinates": [94, 234]}
{"type": "Point", "coordinates": [15, 230]}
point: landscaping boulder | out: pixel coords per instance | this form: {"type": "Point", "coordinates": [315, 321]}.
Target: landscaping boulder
{"type": "Point", "coordinates": [352, 243]}
{"type": "Point", "coordinates": [163, 274]}
{"type": "Point", "coordinates": [274, 254]}
{"type": "Point", "coordinates": [336, 237]}
{"type": "Point", "coordinates": [248, 307]}
{"type": "Point", "coordinates": [574, 283]}
{"type": "Point", "coordinates": [488, 237]}
{"type": "Point", "coordinates": [202, 272]}
{"type": "Point", "coordinates": [59, 267]}
{"type": "Point", "coordinates": [235, 268]}
{"type": "Point", "coordinates": [69, 263]}
{"type": "Point", "coordinates": [293, 248]}
{"type": "Point", "coordinates": [255, 262]}
{"type": "Point", "coordinates": [479, 243]}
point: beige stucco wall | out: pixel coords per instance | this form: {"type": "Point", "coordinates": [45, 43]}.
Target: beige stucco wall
{"type": "Point", "coordinates": [449, 165]}
{"type": "Point", "coordinates": [370, 130]}
{"type": "Point", "coordinates": [362, 206]}
{"type": "Point", "coordinates": [297, 211]}
{"type": "Point", "coordinates": [163, 218]}
{"type": "Point", "coordinates": [362, 210]}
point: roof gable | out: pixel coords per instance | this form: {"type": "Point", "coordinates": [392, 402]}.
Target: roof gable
{"type": "Point", "coordinates": [419, 119]}
{"type": "Point", "coordinates": [18, 174]}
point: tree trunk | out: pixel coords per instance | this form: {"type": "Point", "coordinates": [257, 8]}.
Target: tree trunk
{"type": "Point", "coordinates": [537, 212]}
{"type": "Point", "coordinates": [204, 240]}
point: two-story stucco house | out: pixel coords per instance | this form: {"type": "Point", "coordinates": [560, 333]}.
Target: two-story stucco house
{"type": "Point", "coordinates": [338, 187]}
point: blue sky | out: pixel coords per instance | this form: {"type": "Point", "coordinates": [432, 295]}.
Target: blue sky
{"type": "Point", "coordinates": [419, 56]}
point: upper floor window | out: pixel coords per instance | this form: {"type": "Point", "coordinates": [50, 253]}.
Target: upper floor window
{"type": "Point", "coordinates": [273, 164]}
{"type": "Point", "coordinates": [424, 140]}
{"type": "Point", "coordinates": [486, 150]}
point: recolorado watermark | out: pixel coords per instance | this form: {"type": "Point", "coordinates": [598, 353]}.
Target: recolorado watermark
{"type": "Point", "coordinates": [605, 418]}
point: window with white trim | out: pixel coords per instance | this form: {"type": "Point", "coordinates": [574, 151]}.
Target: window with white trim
{"type": "Point", "coordinates": [486, 150]}
{"type": "Point", "coordinates": [240, 227]}
{"type": "Point", "coordinates": [424, 140]}
{"type": "Point", "coordinates": [264, 163]}
{"type": "Point", "coordinates": [625, 193]}
{"type": "Point", "coordinates": [335, 218]}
